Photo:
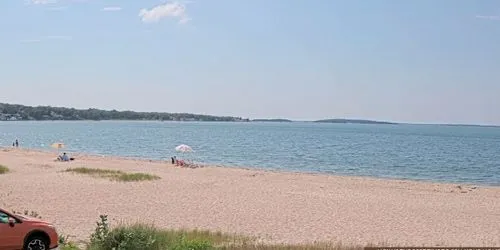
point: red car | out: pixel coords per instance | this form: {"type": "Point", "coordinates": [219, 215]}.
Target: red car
{"type": "Point", "coordinates": [19, 232]}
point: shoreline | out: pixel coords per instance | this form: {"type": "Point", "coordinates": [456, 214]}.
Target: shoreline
{"type": "Point", "coordinates": [263, 169]}
{"type": "Point", "coordinates": [274, 206]}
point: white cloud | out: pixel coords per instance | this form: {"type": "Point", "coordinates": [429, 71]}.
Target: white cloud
{"type": "Point", "coordinates": [175, 10]}
{"type": "Point", "coordinates": [493, 18]}
{"type": "Point", "coordinates": [111, 8]}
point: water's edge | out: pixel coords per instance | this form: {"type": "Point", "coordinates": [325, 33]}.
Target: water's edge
{"type": "Point", "coordinates": [263, 169]}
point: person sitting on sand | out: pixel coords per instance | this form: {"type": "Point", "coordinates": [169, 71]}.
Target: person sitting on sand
{"type": "Point", "coordinates": [64, 157]}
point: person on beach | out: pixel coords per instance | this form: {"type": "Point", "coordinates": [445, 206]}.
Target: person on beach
{"type": "Point", "coordinates": [179, 163]}
{"type": "Point", "coordinates": [17, 143]}
{"type": "Point", "coordinates": [64, 157]}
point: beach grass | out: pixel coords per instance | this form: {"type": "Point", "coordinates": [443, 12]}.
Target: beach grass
{"type": "Point", "coordinates": [114, 174]}
{"type": "Point", "coordinates": [137, 177]}
{"type": "Point", "coordinates": [148, 237]}
{"type": "Point", "coordinates": [4, 169]}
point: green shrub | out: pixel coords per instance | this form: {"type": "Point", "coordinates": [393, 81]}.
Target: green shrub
{"type": "Point", "coordinates": [101, 231]}
{"type": "Point", "coordinates": [129, 238]}
{"type": "Point", "coordinates": [140, 236]}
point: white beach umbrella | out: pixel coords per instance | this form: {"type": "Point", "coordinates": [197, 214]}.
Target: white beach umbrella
{"type": "Point", "coordinates": [183, 148]}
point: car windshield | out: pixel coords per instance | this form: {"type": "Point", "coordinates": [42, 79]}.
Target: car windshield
{"type": "Point", "coordinates": [4, 218]}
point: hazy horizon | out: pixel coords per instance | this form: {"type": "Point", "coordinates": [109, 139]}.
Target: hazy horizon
{"type": "Point", "coordinates": [409, 62]}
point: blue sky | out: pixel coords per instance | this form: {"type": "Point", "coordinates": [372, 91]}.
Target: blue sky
{"type": "Point", "coordinates": [415, 61]}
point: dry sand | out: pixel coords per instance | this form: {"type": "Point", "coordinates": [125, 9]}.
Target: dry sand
{"type": "Point", "coordinates": [278, 207]}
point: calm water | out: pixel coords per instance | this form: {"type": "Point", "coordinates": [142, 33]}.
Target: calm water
{"type": "Point", "coordinates": [422, 152]}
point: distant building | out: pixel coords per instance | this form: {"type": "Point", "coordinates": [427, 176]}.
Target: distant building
{"type": "Point", "coordinates": [10, 117]}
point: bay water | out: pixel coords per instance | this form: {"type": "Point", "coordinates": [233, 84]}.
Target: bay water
{"type": "Point", "coordinates": [439, 153]}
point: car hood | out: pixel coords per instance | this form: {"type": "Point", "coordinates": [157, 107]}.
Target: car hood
{"type": "Point", "coordinates": [31, 219]}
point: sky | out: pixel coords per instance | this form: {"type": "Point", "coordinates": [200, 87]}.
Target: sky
{"type": "Point", "coordinates": [422, 61]}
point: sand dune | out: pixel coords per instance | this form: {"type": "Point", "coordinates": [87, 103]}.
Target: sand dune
{"type": "Point", "coordinates": [278, 207]}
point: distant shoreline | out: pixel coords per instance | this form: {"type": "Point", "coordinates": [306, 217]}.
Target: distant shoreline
{"type": "Point", "coordinates": [17, 112]}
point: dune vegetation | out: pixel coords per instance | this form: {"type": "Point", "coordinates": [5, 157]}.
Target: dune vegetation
{"type": "Point", "coordinates": [4, 169]}
{"type": "Point", "coordinates": [116, 175]}
{"type": "Point", "coordinates": [148, 237]}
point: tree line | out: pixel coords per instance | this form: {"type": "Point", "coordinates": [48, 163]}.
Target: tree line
{"type": "Point", "coordinates": [21, 112]}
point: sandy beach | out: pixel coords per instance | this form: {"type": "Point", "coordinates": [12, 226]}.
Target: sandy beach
{"type": "Point", "coordinates": [277, 207]}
